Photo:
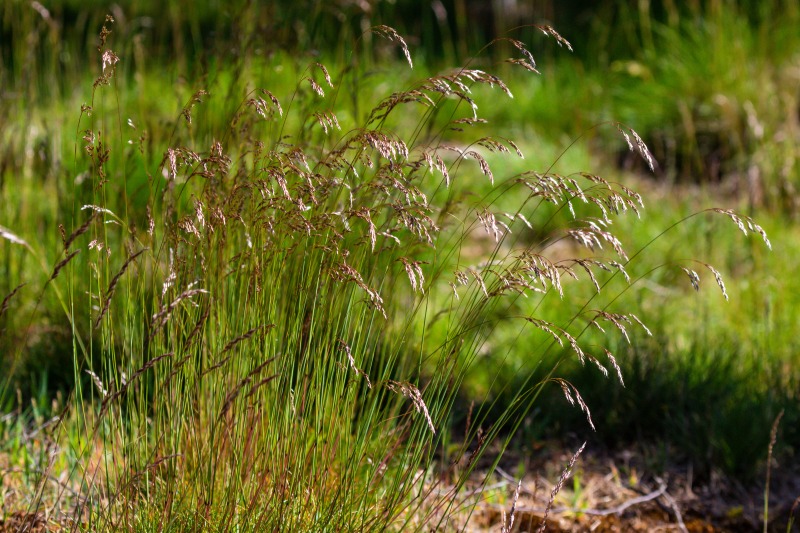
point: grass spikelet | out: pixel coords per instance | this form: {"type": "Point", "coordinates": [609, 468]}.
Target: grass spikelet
{"type": "Point", "coordinates": [234, 393]}
{"type": "Point", "coordinates": [442, 167]}
{"type": "Point", "coordinates": [325, 74]}
{"type": "Point", "coordinates": [412, 393]}
{"type": "Point", "coordinates": [564, 476]}
{"type": "Point", "coordinates": [745, 223]}
{"type": "Point", "coordinates": [637, 145]}
{"type": "Point", "coordinates": [98, 209]}
{"type": "Point", "coordinates": [245, 336]}
{"type": "Point", "coordinates": [61, 264]}
{"type": "Point", "coordinates": [98, 383]}
{"type": "Point", "coordinates": [516, 148]}
{"type": "Point", "coordinates": [510, 527]}
{"type": "Point", "coordinates": [621, 268]}
{"type": "Point", "coordinates": [758, 229]}
{"type": "Point", "coordinates": [254, 388]}
{"type": "Point", "coordinates": [415, 274]}
{"type": "Point", "coordinates": [7, 300]}
{"type": "Point", "coordinates": [524, 64]}
{"type": "Point", "coordinates": [694, 279]}
{"type": "Point", "coordinates": [529, 62]}
{"type": "Point", "coordinates": [108, 398]}
{"type": "Point", "coordinates": [573, 343]}
{"type": "Point", "coordinates": [104, 33]}
{"type": "Point", "coordinates": [638, 321]}
{"type": "Point", "coordinates": [603, 370]}
{"type": "Point", "coordinates": [479, 279]}
{"type": "Point", "coordinates": [524, 220]}
{"type": "Point", "coordinates": [113, 285]}
{"type": "Point", "coordinates": [364, 214]}
{"type": "Point", "coordinates": [392, 35]}
{"type": "Point", "coordinates": [718, 279]}
{"type": "Point", "coordinates": [626, 136]}
{"type": "Point", "coordinates": [485, 170]}
{"type": "Point", "coordinates": [78, 232]}
{"type": "Point", "coordinates": [151, 223]}
{"type": "Point", "coordinates": [316, 87]}
{"type": "Point", "coordinates": [346, 273]}
{"type": "Point", "coordinates": [455, 290]}
{"type": "Point", "coordinates": [109, 59]}
{"type": "Point", "coordinates": [148, 365]}
{"type": "Point", "coordinates": [585, 264]}
{"type": "Point", "coordinates": [263, 107]}
{"type": "Point", "coordinates": [198, 326]}
{"type": "Point", "coordinates": [773, 438]}
{"type": "Point", "coordinates": [573, 396]}
{"type": "Point", "coordinates": [545, 326]}
{"type": "Point", "coordinates": [382, 110]}
{"type": "Point", "coordinates": [218, 364]}
{"type": "Point", "coordinates": [160, 318]}
{"type": "Point", "coordinates": [327, 120]}
{"type": "Point", "coordinates": [548, 30]}
{"type": "Point", "coordinates": [614, 365]}
{"type": "Point", "coordinates": [196, 98]}
{"type": "Point", "coordinates": [644, 151]}
{"type": "Point", "coordinates": [352, 362]}
{"type": "Point", "coordinates": [615, 319]}
{"type": "Point", "coordinates": [489, 223]}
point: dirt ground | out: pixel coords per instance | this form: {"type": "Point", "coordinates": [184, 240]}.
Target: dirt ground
{"type": "Point", "coordinates": [616, 493]}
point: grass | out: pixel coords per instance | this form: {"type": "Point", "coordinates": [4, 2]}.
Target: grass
{"type": "Point", "coordinates": [237, 340]}
{"type": "Point", "coordinates": [711, 87]}
{"type": "Point", "coordinates": [709, 364]}
{"type": "Point", "coordinates": [274, 313]}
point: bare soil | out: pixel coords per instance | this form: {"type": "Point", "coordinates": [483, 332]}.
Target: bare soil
{"type": "Point", "coordinates": [616, 493]}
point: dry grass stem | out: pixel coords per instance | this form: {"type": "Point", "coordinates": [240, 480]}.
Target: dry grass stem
{"type": "Point", "coordinates": [773, 438]}
{"type": "Point", "coordinates": [510, 527]}
{"type": "Point", "coordinates": [564, 476]}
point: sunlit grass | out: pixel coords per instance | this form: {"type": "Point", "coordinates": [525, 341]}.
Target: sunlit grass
{"type": "Point", "coordinates": [283, 327]}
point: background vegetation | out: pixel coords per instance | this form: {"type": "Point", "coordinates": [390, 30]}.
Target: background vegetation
{"type": "Point", "coordinates": [712, 87]}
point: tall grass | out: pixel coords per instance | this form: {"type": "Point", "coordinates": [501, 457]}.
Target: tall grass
{"type": "Point", "coordinates": [270, 322]}
{"type": "Point", "coordinates": [711, 86]}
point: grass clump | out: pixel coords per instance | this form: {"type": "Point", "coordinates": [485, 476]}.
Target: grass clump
{"type": "Point", "coordinates": [270, 322]}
